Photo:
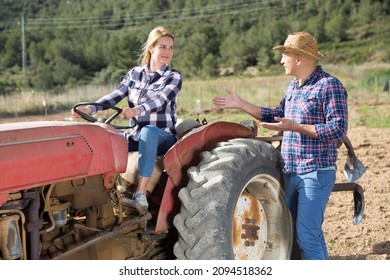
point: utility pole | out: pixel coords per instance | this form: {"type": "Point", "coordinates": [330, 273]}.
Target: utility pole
{"type": "Point", "coordinates": [23, 49]}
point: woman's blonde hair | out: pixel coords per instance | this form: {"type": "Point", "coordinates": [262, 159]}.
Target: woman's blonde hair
{"type": "Point", "coordinates": [153, 37]}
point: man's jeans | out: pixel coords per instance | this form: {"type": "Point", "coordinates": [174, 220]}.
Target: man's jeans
{"type": "Point", "coordinates": [306, 197]}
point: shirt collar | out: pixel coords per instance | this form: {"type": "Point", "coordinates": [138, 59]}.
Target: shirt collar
{"type": "Point", "coordinates": [313, 77]}
{"type": "Point", "coordinates": [159, 71]}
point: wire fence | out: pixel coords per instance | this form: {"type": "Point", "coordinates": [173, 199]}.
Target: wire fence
{"type": "Point", "coordinates": [195, 98]}
{"type": "Point", "coordinates": [43, 103]}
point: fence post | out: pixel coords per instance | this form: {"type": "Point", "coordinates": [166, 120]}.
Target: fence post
{"type": "Point", "coordinates": [376, 90]}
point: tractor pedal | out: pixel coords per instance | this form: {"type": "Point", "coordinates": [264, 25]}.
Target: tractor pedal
{"type": "Point", "coordinates": [142, 210]}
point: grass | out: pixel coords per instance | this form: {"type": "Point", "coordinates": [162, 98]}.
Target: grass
{"type": "Point", "coordinates": [368, 104]}
{"type": "Point", "coordinates": [372, 117]}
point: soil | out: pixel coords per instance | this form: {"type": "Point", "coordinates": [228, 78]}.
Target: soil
{"type": "Point", "coordinates": [368, 240]}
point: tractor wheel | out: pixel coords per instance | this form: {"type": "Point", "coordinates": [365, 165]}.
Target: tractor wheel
{"type": "Point", "coordinates": [233, 206]}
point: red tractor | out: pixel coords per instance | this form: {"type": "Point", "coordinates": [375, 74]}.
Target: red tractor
{"type": "Point", "coordinates": [65, 191]}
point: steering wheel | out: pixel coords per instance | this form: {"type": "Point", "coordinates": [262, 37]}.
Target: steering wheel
{"type": "Point", "coordinates": [102, 120]}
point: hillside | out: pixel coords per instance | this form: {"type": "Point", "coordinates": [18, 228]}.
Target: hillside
{"type": "Point", "coordinates": [52, 44]}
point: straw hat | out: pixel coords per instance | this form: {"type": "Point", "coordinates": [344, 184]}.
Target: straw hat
{"type": "Point", "coordinates": [301, 43]}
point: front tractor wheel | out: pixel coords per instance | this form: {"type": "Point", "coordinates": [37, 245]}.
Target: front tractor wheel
{"type": "Point", "coordinates": [233, 206]}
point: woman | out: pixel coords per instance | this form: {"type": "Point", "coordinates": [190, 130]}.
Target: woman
{"type": "Point", "coordinates": [151, 90]}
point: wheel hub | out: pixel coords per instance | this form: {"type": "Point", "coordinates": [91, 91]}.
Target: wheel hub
{"type": "Point", "coordinates": [249, 228]}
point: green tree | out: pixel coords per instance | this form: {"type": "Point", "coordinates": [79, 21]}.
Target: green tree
{"type": "Point", "coordinates": [124, 51]}
{"type": "Point", "coordinates": [336, 27]}
{"type": "Point", "coordinates": [210, 66]}
{"type": "Point", "coordinates": [368, 11]}
{"type": "Point", "coordinates": [231, 50]}
{"type": "Point", "coordinates": [12, 51]}
{"type": "Point", "coordinates": [44, 77]}
{"type": "Point", "coordinates": [316, 26]}
{"type": "Point", "coordinates": [36, 54]}
{"type": "Point", "coordinates": [65, 72]}
{"type": "Point", "coordinates": [196, 48]}
{"type": "Point", "coordinates": [96, 53]}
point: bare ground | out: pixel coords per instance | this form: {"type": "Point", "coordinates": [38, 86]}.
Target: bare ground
{"type": "Point", "coordinates": [369, 240]}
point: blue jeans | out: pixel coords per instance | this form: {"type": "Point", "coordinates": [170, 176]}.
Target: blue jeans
{"type": "Point", "coordinates": [306, 197]}
{"type": "Point", "coordinates": [153, 141]}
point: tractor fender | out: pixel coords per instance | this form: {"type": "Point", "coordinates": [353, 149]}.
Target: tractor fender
{"type": "Point", "coordinates": [186, 153]}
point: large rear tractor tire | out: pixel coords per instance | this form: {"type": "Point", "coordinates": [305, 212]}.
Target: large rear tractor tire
{"type": "Point", "coordinates": [233, 206]}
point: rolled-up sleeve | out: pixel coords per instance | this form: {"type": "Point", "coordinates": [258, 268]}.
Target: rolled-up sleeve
{"type": "Point", "coordinates": [114, 97]}
{"type": "Point", "coordinates": [335, 107]}
{"type": "Point", "coordinates": [268, 114]}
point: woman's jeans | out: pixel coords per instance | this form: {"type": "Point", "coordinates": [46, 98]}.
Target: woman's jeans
{"type": "Point", "coordinates": [153, 141]}
{"type": "Point", "coordinates": [306, 197]}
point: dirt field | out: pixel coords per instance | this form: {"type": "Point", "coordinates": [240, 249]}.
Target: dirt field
{"type": "Point", "coordinates": [369, 240]}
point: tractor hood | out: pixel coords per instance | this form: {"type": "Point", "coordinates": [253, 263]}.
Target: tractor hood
{"type": "Point", "coordinates": [38, 153]}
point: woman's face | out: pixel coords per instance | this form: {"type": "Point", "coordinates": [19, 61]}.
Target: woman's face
{"type": "Point", "coordinates": [162, 52]}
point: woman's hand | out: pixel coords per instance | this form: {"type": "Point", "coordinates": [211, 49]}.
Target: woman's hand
{"type": "Point", "coordinates": [86, 110]}
{"type": "Point", "coordinates": [130, 112]}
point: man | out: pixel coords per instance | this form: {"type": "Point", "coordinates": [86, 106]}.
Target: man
{"type": "Point", "coordinates": [313, 116]}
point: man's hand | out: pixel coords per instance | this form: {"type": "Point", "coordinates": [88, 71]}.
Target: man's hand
{"type": "Point", "coordinates": [282, 124]}
{"type": "Point", "coordinates": [231, 101]}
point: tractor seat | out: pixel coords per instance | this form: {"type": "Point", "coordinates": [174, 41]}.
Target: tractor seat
{"type": "Point", "coordinates": [129, 179]}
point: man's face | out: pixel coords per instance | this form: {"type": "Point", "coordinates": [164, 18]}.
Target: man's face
{"type": "Point", "coordinates": [289, 62]}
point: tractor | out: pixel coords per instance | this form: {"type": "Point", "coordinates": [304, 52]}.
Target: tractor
{"type": "Point", "coordinates": [66, 186]}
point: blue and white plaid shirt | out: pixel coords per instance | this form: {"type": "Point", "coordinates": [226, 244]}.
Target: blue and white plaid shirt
{"type": "Point", "coordinates": [154, 94]}
{"type": "Point", "coordinates": [322, 102]}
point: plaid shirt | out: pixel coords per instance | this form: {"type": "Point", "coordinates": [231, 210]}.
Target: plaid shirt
{"type": "Point", "coordinates": [322, 102]}
{"type": "Point", "coordinates": [154, 94]}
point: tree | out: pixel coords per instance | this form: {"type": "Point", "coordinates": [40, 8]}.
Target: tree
{"type": "Point", "coordinates": [210, 66]}
{"type": "Point", "coordinates": [368, 12]}
{"type": "Point", "coordinates": [12, 51]}
{"type": "Point", "coordinates": [36, 53]}
{"type": "Point", "coordinates": [316, 26]}
{"type": "Point", "coordinates": [336, 28]}
{"type": "Point", "coordinates": [44, 77]}
{"type": "Point", "coordinates": [124, 50]}
{"type": "Point", "coordinates": [198, 46]}
{"type": "Point", "coordinates": [95, 53]}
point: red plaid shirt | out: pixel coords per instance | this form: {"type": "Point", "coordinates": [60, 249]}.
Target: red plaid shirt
{"type": "Point", "coordinates": [322, 102]}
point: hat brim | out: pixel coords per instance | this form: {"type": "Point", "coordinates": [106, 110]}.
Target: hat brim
{"type": "Point", "coordinates": [296, 51]}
